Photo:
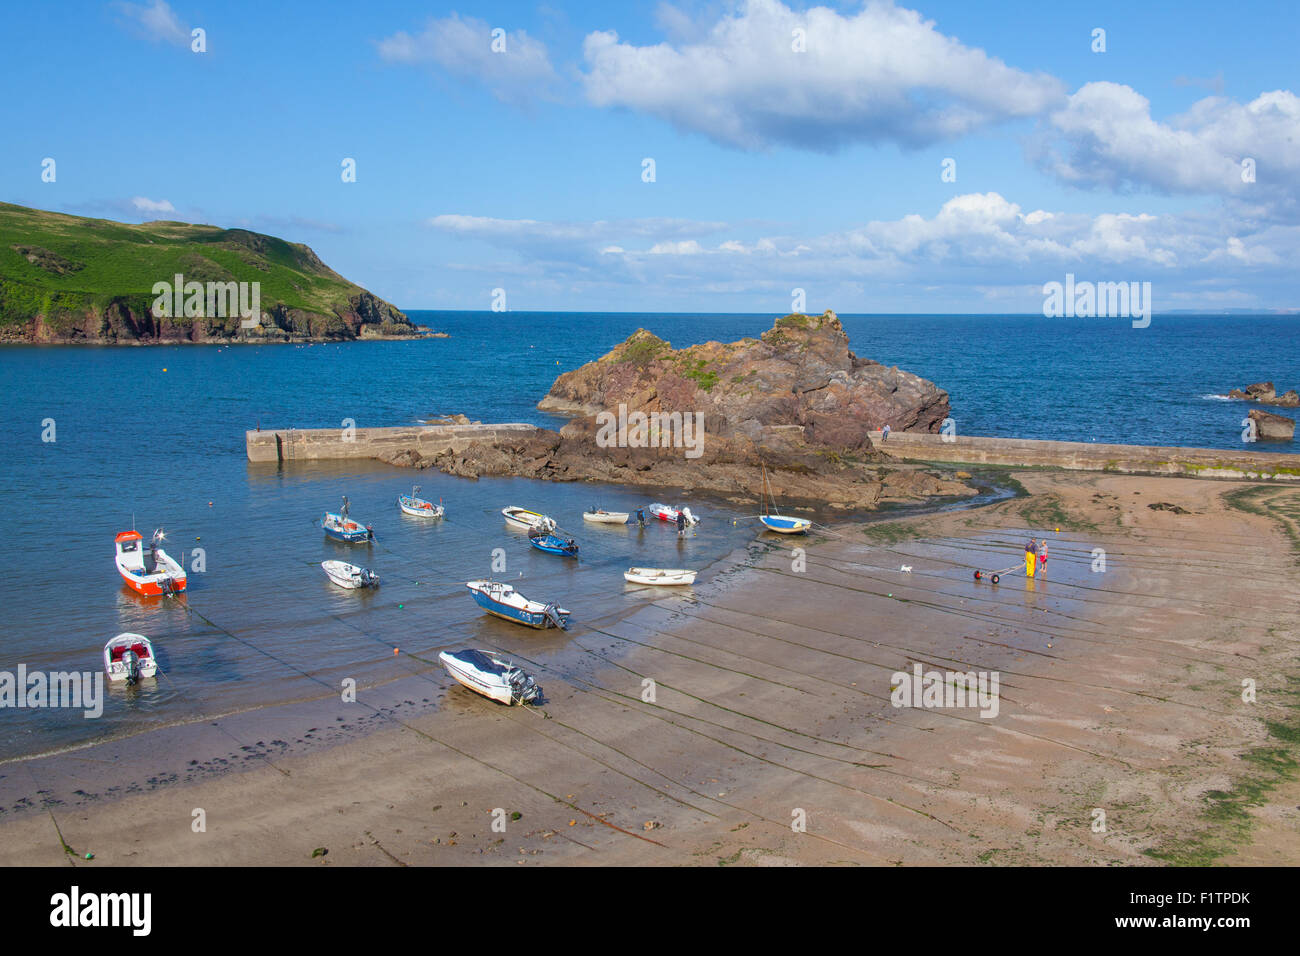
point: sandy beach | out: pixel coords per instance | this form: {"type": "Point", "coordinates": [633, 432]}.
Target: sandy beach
{"type": "Point", "coordinates": [768, 736]}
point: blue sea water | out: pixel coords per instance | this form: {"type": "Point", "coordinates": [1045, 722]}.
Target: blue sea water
{"type": "Point", "coordinates": [154, 436]}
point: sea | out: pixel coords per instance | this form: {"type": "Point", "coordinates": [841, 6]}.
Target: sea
{"type": "Point", "coordinates": [99, 440]}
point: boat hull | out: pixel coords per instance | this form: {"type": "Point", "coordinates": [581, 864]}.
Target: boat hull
{"type": "Point", "coordinates": [522, 611]}
{"type": "Point", "coordinates": [496, 679]}
{"type": "Point", "coordinates": [605, 517]}
{"type": "Point", "coordinates": [554, 545]}
{"type": "Point", "coordinates": [349, 576]}
{"type": "Point", "coordinates": [419, 508]}
{"type": "Point", "coordinates": [659, 577]}
{"type": "Point", "coordinates": [522, 517]}
{"type": "Point", "coordinates": [783, 525]}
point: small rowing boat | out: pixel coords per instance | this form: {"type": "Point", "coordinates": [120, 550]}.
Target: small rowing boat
{"type": "Point", "coordinates": [504, 601]}
{"type": "Point", "coordinates": [552, 543]}
{"type": "Point", "coordinates": [669, 514]}
{"type": "Point", "coordinates": [601, 516]}
{"type": "Point", "coordinates": [151, 572]}
{"type": "Point", "coordinates": [340, 527]}
{"type": "Point", "coordinates": [416, 506]}
{"type": "Point", "coordinates": [349, 575]}
{"type": "Point", "coordinates": [491, 676]}
{"type": "Point", "coordinates": [523, 518]}
{"type": "Point", "coordinates": [129, 657]}
{"type": "Point", "coordinates": [659, 576]}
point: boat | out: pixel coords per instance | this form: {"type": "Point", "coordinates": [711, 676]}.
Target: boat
{"type": "Point", "coordinates": [659, 576]}
{"type": "Point", "coordinates": [491, 676]}
{"type": "Point", "coordinates": [778, 522]}
{"type": "Point", "coordinates": [523, 518]}
{"type": "Point", "coordinates": [669, 513]}
{"type": "Point", "coordinates": [504, 601]}
{"type": "Point", "coordinates": [601, 516]}
{"type": "Point", "coordinates": [129, 657]}
{"type": "Point", "coordinates": [552, 543]}
{"type": "Point", "coordinates": [349, 575]}
{"type": "Point", "coordinates": [152, 572]}
{"type": "Point", "coordinates": [340, 527]}
{"type": "Point", "coordinates": [412, 504]}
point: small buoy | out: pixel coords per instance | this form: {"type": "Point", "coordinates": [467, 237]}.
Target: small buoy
{"type": "Point", "coordinates": [209, 504]}
{"type": "Point", "coordinates": [996, 578]}
{"type": "Point", "coordinates": [1058, 530]}
{"type": "Point", "coordinates": [400, 606]}
{"type": "Point", "coordinates": [90, 856]}
{"type": "Point", "coordinates": [977, 575]}
{"type": "Point", "coordinates": [395, 651]}
{"type": "Point", "coordinates": [164, 370]}
{"type": "Point", "coordinates": [889, 595]}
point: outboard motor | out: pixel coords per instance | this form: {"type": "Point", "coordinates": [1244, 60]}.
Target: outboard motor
{"type": "Point", "coordinates": [131, 661]}
{"type": "Point", "coordinates": [553, 615]}
{"type": "Point", "coordinates": [690, 518]}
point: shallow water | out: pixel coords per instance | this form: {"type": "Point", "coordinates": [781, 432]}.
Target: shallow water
{"type": "Point", "coordinates": [150, 437]}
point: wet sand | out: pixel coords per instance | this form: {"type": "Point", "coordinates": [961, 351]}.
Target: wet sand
{"type": "Point", "coordinates": [1120, 692]}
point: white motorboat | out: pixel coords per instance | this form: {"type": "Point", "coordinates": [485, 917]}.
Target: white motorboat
{"type": "Point", "coordinates": [349, 575]}
{"type": "Point", "coordinates": [659, 576]}
{"type": "Point", "coordinates": [129, 657]}
{"type": "Point", "coordinates": [523, 518]}
{"type": "Point", "coordinates": [601, 516]}
{"type": "Point", "coordinates": [491, 676]}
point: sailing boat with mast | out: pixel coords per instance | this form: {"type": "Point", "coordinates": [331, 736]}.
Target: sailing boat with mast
{"type": "Point", "coordinates": [776, 521]}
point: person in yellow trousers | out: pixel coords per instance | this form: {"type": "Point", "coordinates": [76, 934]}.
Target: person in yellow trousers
{"type": "Point", "coordinates": [1031, 558]}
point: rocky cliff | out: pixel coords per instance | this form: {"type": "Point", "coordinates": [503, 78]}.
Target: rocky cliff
{"type": "Point", "coordinates": [70, 279]}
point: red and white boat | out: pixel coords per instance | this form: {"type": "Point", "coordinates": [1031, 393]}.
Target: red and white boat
{"type": "Point", "coordinates": [150, 571]}
{"type": "Point", "coordinates": [668, 513]}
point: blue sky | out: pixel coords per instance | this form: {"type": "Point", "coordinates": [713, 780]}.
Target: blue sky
{"type": "Point", "coordinates": [775, 168]}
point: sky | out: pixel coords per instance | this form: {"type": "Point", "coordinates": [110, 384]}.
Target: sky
{"type": "Point", "coordinates": [754, 156]}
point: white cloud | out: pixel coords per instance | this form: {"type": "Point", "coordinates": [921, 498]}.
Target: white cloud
{"type": "Point", "coordinates": [463, 48]}
{"type": "Point", "coordinates": [883, 74]}
{"type": "Point", "coordinates": [143, 204]}
{"type": "Point", "coordinates": [156, 20]}
{"type": "Point", "coordinates": [1105, 136]}
{"type": "Point", "coordinates": [980, 246]}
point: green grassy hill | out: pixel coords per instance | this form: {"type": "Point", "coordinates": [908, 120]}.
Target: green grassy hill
{"type": "Point", "coordinates": [71, 279]}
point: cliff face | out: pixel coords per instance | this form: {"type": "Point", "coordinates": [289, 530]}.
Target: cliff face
{"type": "Point", "coordinates": [69, 279]}
{"type": "Point", "coordinates": [127, 321]}
{"type": "Point", "coordinates": [799, 374]}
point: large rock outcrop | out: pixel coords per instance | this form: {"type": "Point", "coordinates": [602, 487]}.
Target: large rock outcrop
{"type": "Point", "coordinates": [794, 407]}
{"type": "Point", "coordinates": [799, 374]}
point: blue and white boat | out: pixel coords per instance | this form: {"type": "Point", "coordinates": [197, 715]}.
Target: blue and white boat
{"type": "Point", "coordinates": [342, 528]}
{"type": "Point", "coordinates": [418, 507]}
{"type": "Point", "coordinates": [552, 543]}
{"type": "Point", "coordinates": [778, 522]}
{"type": "Point", "coordinates": [504, 601]}
{"type": "Point", "coordinates": [783, 525]}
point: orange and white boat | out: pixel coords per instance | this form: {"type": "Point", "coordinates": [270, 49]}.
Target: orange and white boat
{"type": "Point", "coordinates": [150, 571]}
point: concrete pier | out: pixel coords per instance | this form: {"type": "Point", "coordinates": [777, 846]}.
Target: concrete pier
{"type": "Point", "coordinates": [322, 444]}
{"type": "Point", "coordinates": [1251, 462]}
